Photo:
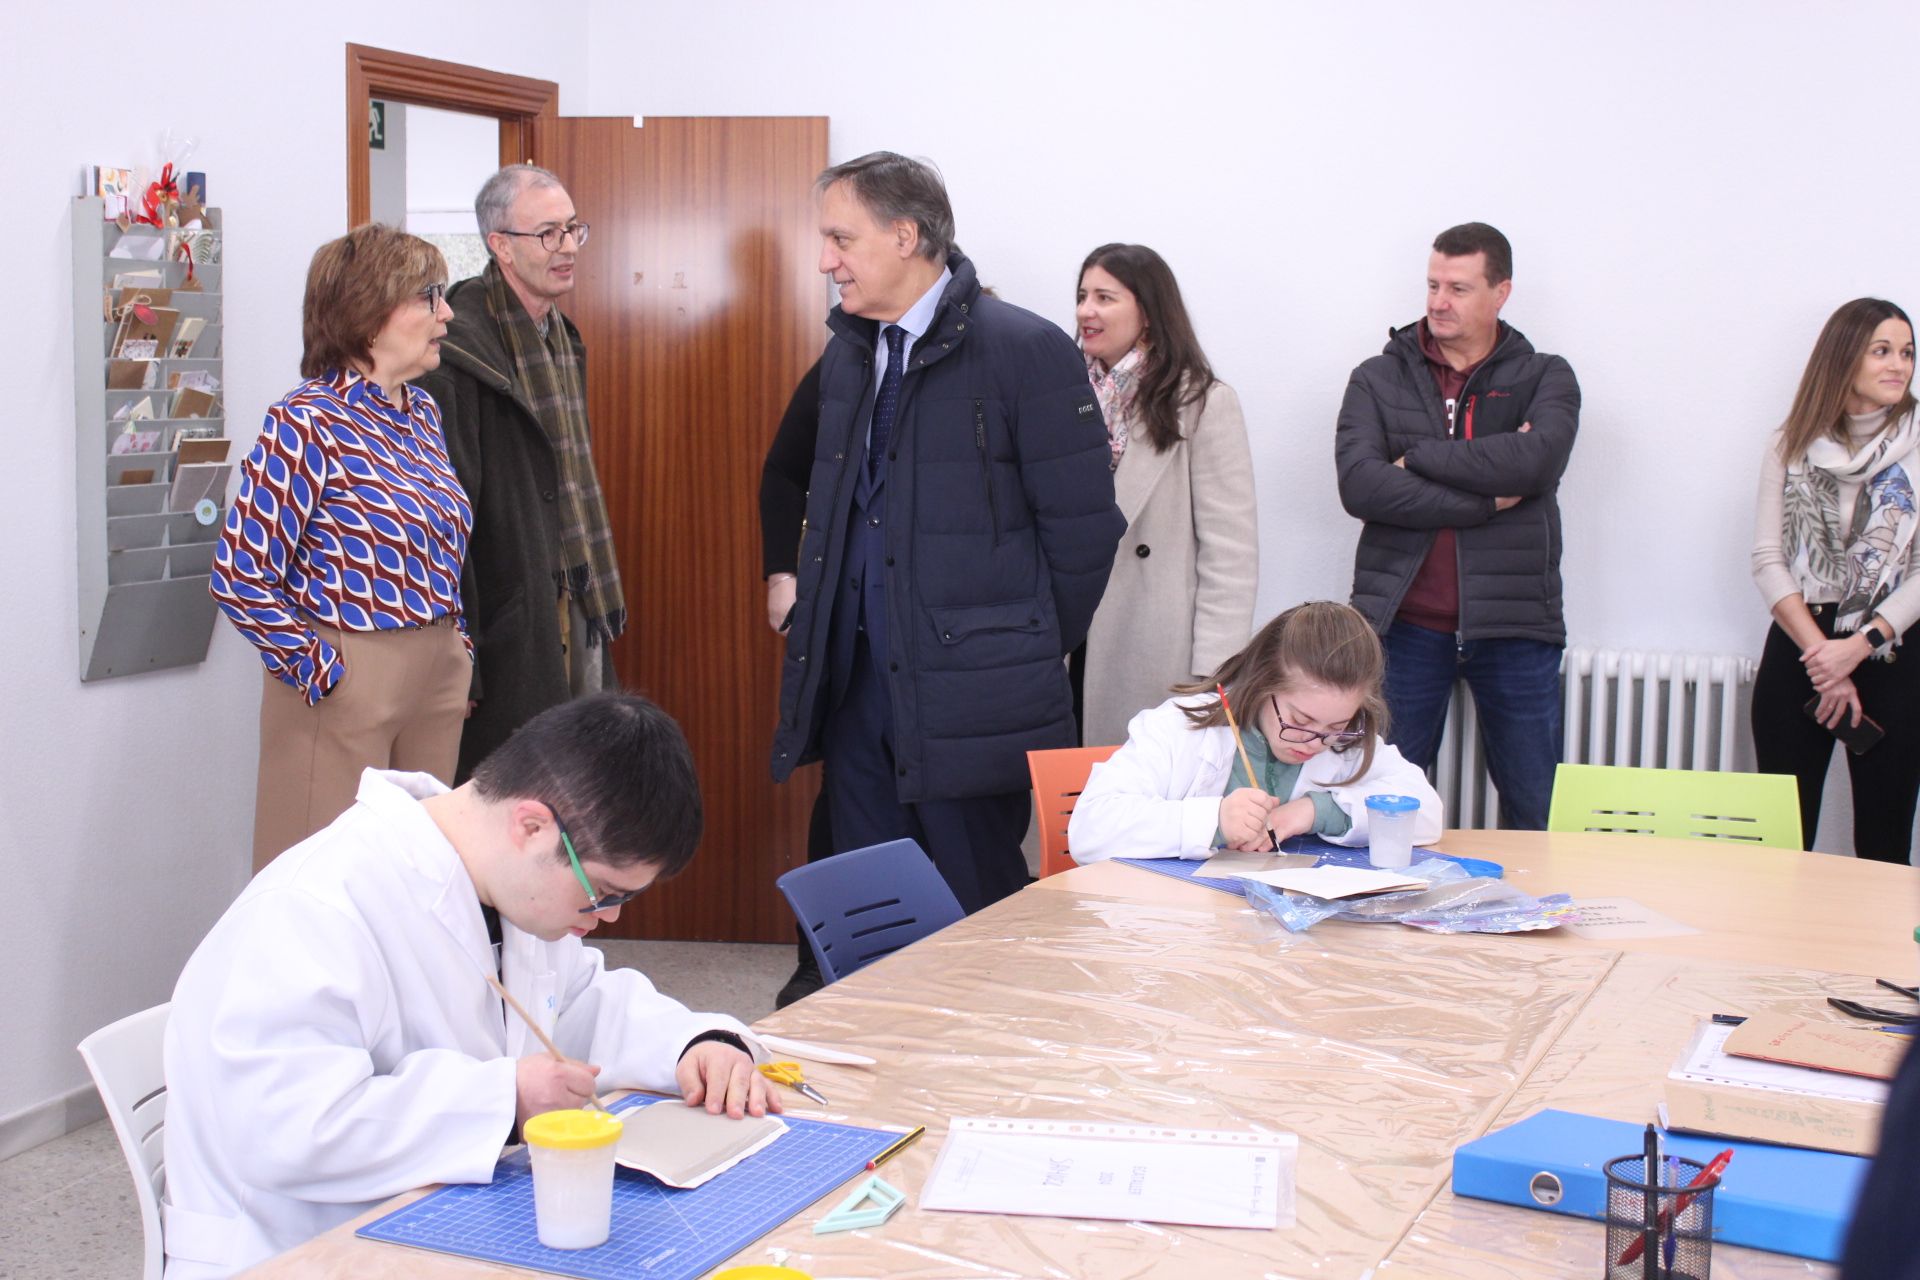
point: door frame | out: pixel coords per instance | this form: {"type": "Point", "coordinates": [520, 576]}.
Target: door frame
{"type": "Point", "coordinates": [515, 101]}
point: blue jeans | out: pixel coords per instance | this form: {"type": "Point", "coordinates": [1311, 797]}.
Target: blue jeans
{"type": "Point", "coordinates": [1516, 691]}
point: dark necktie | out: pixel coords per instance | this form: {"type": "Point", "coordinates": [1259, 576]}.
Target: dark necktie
{"type": "Point", "coordinates": [887, 403]}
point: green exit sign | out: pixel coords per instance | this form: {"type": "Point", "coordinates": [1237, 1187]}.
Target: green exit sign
{"type": "Point", "coordinates": [377, 126]}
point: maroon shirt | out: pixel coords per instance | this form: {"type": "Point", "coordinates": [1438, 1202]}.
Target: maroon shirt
{"type": "Point", "coordinates": [1433, 598]}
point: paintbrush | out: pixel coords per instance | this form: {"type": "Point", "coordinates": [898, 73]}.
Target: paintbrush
{"type": "Point", "coordinates": [1246, 761]}
{"type": "Point", "coordinates": [539, 1033]}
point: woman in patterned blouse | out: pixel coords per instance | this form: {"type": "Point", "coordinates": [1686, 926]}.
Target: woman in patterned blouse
{"type": "Point", "coordinates": [340, 559]}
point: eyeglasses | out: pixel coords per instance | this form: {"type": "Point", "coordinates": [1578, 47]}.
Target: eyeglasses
{"type": "Point", "coordinates": [551, 238]}
{"type": "Point", "coordinates": [433, 295]}
{"type": "Point", "coordinates": [1343, 740]}
{"type": "Point", "coordinates": [596, 903]}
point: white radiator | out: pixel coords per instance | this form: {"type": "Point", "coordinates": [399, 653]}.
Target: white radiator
{"type": "Point", "coordinates": [1655, 710]}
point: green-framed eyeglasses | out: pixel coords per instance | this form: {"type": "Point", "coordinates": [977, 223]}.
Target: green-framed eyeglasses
{"type": "Point", "coordinates": [596, 903]}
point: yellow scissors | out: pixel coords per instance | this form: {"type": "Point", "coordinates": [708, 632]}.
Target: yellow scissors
{"type": "Point", "coordinates": [788, 1073]}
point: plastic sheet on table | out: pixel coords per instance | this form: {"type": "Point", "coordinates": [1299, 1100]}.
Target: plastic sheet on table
{"type": "Point", "coordinates": [1454, 901]}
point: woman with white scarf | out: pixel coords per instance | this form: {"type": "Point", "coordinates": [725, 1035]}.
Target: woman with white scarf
{"type": "Point", "coordinates": [1180, 599]}
{"type": "Point", "coordinates": [1833, 558]}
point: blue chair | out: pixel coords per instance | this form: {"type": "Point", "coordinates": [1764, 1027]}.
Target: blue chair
{"type": "Point", "coordinates": [866, 903]}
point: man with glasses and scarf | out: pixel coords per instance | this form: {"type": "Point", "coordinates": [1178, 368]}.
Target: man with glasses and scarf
{"type": "Point", "coordinates": [334, 1040]}
{"type": "Point", "coordinates": [541, 585]}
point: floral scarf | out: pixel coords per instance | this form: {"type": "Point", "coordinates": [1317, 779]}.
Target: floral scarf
{"type": "Point", "coordinates": [1863, 562]}
{"type": "Point", "coordinates": [1115, 389]}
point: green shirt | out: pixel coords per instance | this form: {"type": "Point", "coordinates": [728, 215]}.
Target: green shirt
{"type": "Point", "coordinates": [1276, 779]}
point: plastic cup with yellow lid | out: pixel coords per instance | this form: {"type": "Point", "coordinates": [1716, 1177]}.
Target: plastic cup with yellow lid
{"type": "Point", "coordinates": [572, 1176]}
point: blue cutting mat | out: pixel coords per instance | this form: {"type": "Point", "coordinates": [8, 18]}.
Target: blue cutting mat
{"type": "Point", "coordinates": [1331, 855]}
{"type": "Point", "coordinates": [659, 1233]}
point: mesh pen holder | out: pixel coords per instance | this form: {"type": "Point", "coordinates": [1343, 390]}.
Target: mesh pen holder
{"type": "Point", "coordinates": [1682, 1215]}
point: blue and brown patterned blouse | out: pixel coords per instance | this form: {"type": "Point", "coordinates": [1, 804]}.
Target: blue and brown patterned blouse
{"type": "Point", "coordinates": [349, 515]}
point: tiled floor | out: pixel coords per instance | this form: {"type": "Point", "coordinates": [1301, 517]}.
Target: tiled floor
{"type": "Point", "coordinates": [67, 1209]}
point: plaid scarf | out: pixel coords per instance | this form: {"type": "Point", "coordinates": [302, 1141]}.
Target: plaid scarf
{"type": "Point", "coordinates": [547, 372]}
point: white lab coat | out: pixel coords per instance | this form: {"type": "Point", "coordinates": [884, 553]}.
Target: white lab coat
{"type": "Point", "coordinates": [1160, 793]}
{"type": "Point", "coordinates": [333, 1041]}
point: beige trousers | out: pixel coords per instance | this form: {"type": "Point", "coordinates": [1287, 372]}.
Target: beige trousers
{"type": "Point", "coordinates": [400, 705]}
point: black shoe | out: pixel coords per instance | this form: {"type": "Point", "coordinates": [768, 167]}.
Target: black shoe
{"type": "Point", "coordinates": [805, 981]}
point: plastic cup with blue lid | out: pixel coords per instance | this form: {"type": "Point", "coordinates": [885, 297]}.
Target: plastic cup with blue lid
{"type": "Point", "coordinates": [1390, 830]}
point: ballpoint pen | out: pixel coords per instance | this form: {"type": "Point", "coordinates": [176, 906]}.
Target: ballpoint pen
{"type": "Point", "coordinates": [1715, 1167]}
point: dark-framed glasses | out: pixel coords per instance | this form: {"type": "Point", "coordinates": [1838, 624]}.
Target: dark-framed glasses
{"type": "Point", "coordinates": [596, 903]}
{"type": "Point", "coordinates": [433, 295]}
{"type": "Point", "coordinates": [1340, 740]}
{"type": "Point", "coordinates": [551, 238]}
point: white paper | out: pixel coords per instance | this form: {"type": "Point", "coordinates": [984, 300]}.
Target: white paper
{"type": "Point", "coordinates": [1068, 1169]}
{"type": "Point", "coordinates": [1623, 918]}
{"type": "Point", "coordinates": [143, 248]}
{"type": "Point", "coordinates": [1706, 1061]}
{"type": "Point", "coordinates": [812, 1052]}
{"type": "Point", "coordinates": [1228, 863]}
{"type": "Point", "coordinates": [1335, 882]}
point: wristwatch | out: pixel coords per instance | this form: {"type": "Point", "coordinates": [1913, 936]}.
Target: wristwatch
{"type": "Point", "coordinates": [1874, 635]}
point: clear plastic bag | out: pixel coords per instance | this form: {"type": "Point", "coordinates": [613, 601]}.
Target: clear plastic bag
{"type": "Point", "coordinates": [1454, 901]}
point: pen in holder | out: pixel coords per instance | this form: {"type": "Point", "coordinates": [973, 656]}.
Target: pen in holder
{"type": "Point", "coordinates": [1668, 1201]}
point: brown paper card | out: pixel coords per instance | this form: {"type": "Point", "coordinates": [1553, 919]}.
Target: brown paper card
{"type": "Point", "coordinates": [135, 293]}
{"type": "Point", "coordinates": [130, 375]}
{"type": "Point", "coordinates": [140, 340]}
{"type": "Point", "coordinates": [188, 403]}
{"type": "Point", "coordinates": [193, 452]}
{"type": "Point", "coordinates": [1825, 1046]}
{"type": "Point", "coordinates": [143, 476]}
{"type": "Point", "coordinates": [1763, 1115]}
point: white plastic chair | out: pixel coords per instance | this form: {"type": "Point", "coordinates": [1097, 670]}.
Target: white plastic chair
{"type": "Point", "coordinates": [124, 1060]}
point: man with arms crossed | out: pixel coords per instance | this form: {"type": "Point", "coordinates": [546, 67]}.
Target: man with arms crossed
{"type": "Point", "coordinates": [334, 1041]}
{"type": "Point", "coordinates": [1450, 447]}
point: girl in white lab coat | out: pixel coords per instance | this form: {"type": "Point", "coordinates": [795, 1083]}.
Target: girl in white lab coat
{"type": "Point", "coordinates": [1306, 694]}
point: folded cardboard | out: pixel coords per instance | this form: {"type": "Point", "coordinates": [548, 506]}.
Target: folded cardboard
{"type": "Point", "coordinates": [1818, 1043]}
{"type": "Point", "coordinates": [1770, 1115]}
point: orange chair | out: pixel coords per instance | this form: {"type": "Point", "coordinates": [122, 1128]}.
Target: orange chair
{"type": "Point", "coordinates": [1058, 778]}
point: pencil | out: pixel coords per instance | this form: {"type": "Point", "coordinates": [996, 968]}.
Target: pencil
{"type": "Point", "coordinates": [534, 1027]}
{"type": "Point", "coordinates": [896, 1148]}
{"type": "Point", "coordinates": [1246, 761]}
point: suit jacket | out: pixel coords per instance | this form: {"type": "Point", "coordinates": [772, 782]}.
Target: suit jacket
{"type": "Point", "coordinates": [1180, 599]}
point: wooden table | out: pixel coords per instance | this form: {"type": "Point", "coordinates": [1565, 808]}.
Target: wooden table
{"type": "Point", "coordinates": [1111, 993]}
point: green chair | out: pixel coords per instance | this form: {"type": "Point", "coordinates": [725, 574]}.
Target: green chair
{"type": "Point", "coordinates": [1682, 804]}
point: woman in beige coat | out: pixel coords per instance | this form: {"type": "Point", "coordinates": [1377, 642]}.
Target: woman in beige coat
{"type": "Point", "coordinates": [1180, 600]}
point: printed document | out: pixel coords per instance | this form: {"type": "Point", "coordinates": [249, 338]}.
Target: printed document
{"type": "Point", "coordinates": [1073, 1169]}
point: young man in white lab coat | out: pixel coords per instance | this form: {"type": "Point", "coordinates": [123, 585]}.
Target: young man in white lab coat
{"type": "Point", "coordinates": [333, 1041]}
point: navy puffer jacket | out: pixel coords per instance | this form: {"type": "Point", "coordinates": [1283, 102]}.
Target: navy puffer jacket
{"type": "Point", "coordinates": [1000, 531]}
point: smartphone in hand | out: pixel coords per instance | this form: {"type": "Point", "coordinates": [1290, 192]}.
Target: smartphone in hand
{"type": "Point", "coordinates": [1857, 738]}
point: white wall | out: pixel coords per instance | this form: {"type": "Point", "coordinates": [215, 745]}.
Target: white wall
{"type": "Point", "coordinates": [129, 803]}
{"type": "Point", "coordinates": [1690, 189]}
{"type": "Point", "coordinates": [449, 154]}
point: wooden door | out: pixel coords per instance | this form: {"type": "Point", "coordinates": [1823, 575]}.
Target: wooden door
{"type": "Point", "coordinates": [701, 308]}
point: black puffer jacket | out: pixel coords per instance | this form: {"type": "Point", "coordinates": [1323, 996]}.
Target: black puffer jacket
{"type": "Point", "coordinates": [1509, 560]}
{"type": "Point", "coordinates": [1000, 531]}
